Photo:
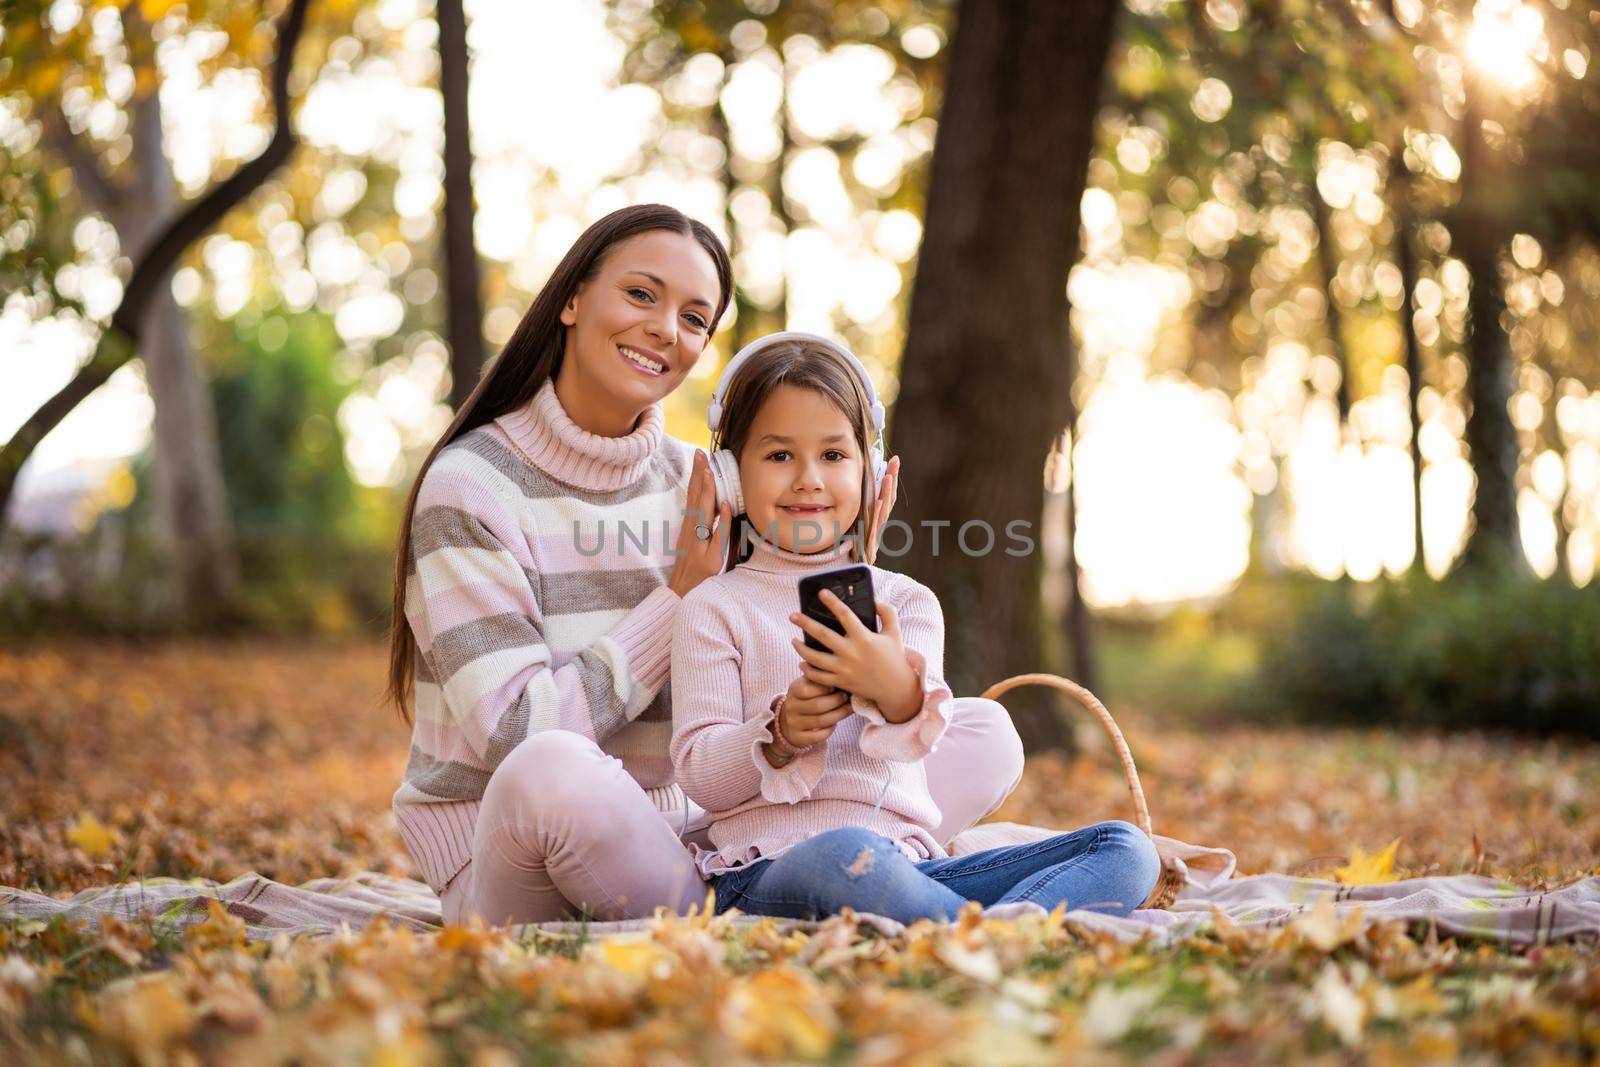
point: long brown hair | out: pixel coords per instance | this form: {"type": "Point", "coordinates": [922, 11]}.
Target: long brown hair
{"type": "Point", "coordinates": [810, 366]}
{"type": "Point", "coordinates": [532, 356]}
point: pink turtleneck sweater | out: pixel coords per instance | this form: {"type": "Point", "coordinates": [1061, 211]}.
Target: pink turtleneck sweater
{"type": "Point", "coordinates": [731, 657]}
{"type": "Point", "coordinates": [536, 592]}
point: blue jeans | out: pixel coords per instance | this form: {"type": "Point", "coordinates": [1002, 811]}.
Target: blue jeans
{"type": "Point", "coordinates": [1109, 867]}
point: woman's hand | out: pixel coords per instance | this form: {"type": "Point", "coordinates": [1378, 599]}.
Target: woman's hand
{"type": "Point", "coordinates": [698, 560]}
{"type": "Point", "coordinates": [811, 711]}
{"type": "Point", "coordinates": [873, 666]}
{"type": "Point", "coordinates": [882, 507]}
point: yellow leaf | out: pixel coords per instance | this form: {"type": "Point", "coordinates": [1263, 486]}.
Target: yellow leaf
{"type": "Point", "coordinates": [89, 835]}
{"type": "Point", "coordinates": [406, 1052]}
{"type": "Point", "coordinates": [1369, 870]}
{"type": "Point", "coordinates": [1434, 1040]}
{"type": "Point", "coordinates": [781, 1013]}
{"type": "Point", "coordinates": [638, 957]}
{"type": "Point", "coordinates": [147, 1012]}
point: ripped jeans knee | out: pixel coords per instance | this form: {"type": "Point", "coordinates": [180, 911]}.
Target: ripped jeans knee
{"type": "Point", "coordinates": [846, 868]}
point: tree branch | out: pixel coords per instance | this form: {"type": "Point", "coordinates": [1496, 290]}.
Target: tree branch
{"type": "Point", "coordinates": [120, 342]}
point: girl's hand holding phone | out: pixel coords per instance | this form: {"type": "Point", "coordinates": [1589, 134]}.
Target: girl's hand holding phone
{"type": "Point", "coordinates": [873, 666]}
{"type": "Point", "coordinates": [811, 711]}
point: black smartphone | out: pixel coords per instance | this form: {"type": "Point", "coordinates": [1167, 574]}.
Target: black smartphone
{"type": "Point", "coordinates": [853, 585]}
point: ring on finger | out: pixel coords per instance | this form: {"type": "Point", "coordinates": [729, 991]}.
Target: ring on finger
{"type": "Point", "coordinates": [702, 532]}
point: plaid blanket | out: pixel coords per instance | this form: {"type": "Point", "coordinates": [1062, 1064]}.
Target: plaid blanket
{"type": "Point", "coordinates": [1458, 905]}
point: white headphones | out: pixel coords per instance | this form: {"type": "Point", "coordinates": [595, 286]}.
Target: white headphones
{"type": "Point", "coordinates": [725, 465]}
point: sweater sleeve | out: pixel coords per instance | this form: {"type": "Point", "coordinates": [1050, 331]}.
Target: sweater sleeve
{"type": "Point", "coordinates": [716, 739]}
{"type": "Point", "coordinates": [922, 631]}
{"type": "Point", "coordinates": [473, 609]}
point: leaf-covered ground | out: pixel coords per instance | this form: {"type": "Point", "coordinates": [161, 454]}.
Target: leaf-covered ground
{"type": "Point", "coordinates": [213, 760]}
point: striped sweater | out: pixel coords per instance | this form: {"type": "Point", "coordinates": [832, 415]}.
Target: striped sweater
{"type": "Point", "coordinates": [536, 593]}
{"type": "Point", "coordinates": [731, 657]}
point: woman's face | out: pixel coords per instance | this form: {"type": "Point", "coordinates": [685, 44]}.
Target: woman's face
{"type": "Point", "coordinates": [637, 327]}
{"type": "Point", "coordinates": [801, 471]}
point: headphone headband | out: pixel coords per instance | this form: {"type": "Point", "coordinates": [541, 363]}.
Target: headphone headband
{"type": "Point", "coordinates": [714, 412]}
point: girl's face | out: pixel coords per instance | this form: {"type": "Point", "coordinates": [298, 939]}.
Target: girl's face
{"type": "Point", "coordinates": [801, 471]}
{"type": "Point", "coordinates": [637, 327]}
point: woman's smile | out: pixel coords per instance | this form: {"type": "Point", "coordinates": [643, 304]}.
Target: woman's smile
{"type": "Point", "coordinates": [643, 360]}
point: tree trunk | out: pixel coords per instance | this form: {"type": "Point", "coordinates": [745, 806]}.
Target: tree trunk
{"type": "Point", "coordinates": [462, 300]}
{"type": "Point", "coordinates": [120, 340]}
{"type": "Point", "coordinates": [1079, 629]}
{"type": "Point", "coordinates": [192, 509]}
{"type": "Point", "coordinates": [1491, 439]}
{"type": "Point", "coordinates": [1406, 261]}
{"type": "Point", "coordinates": [1328, 261]}
{"type": "Point", "coordinates": [988, 367]}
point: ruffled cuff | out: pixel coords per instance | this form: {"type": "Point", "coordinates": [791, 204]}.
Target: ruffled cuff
{"type": "Point", "coordinates": [909, 741]}
{"type": "Point", "coordinates": [794, 781]}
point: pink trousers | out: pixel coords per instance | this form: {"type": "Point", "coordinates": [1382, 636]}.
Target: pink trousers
{"type": "Point", "coordinates": [563, 827]}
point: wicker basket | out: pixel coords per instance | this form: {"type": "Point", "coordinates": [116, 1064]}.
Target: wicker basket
{"type": "Point", "coordinates": [1171, 879]}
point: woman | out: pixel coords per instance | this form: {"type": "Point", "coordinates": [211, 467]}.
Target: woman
{"type": "Point", "coordinates": [542, 558]}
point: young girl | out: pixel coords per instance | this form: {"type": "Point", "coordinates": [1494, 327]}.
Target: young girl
{"type": "Point", "coordinates": [810, 763]}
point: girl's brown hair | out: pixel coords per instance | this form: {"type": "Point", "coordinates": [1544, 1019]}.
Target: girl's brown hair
{"type": "Point", "coordinates": [532, 356]}
{"type": "Point", "coordinates": [811, 366]}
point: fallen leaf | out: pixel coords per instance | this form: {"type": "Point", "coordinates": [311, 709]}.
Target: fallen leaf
{"type": "Point", "coordinates": [89, 834]}
{"type": "Point", "coordinates": [1324, 927]}
{"type": "Point", "coordinates": [1369, 870]}
{"type": "Point", "coordinates": [1112, 1012]}
{"type": "Point", "coordinates": [1338, 1006]}
{"type": "Point", "coordinates": [781, 1012]}
{"type": "Point", "coordinates": [639, 957]}
{"type": "Point", "coordinates": [979, 963]}
{"type": "Point", "coordinates": [145, 1013]}
{"type": "Point", "coordinates": [1319, 927]}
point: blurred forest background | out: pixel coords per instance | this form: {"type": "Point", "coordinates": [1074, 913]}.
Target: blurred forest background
{"type": "Point", "coordinates": [1278, 319]}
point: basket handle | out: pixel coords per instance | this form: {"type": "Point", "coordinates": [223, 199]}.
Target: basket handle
{"type": "Point", "coordinates": [1092, 703]}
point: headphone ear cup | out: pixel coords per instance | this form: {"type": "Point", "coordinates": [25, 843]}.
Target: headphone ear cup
{"type": "Point", "coordinates": [725, 476]}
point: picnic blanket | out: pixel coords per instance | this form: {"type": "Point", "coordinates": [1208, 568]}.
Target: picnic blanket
{"type": "Point", "coordinates": [1458, 905]}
